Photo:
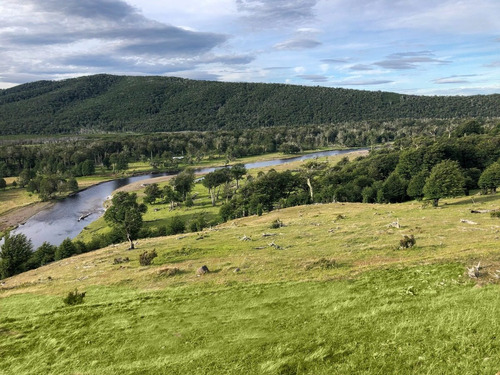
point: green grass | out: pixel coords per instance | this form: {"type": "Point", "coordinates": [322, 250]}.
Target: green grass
{"type": "Point", "coordinates": [415, 320]}
{"type": "Point", "coordinates": [373, 310]}
{"type": "Point", "coordinates": [12, 198]}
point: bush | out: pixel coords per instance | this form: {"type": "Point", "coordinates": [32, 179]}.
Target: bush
{"type": "Point", "coordinates": [146, 258]}
{"type": "Point", "coordinates": [277, 224]}
{"type": "Point", "coordinates": [495, 214]}
{"type": "Point", "coordinates": [323, 263]}
{"type": "Point", "coordinates": [176, 225]}
{"type": "Point", "coordinates": [407, 242]}
{"type": "Point", "coordinates": [74, 298]}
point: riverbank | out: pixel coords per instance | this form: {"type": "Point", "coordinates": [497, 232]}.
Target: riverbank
{"type": "Point", "coordinates": [17, 216]}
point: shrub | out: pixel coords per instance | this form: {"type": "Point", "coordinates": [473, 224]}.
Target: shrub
{"type": "Point", "coordinates": [277, 224]}
{"type": "Point", "coordinates": [74, 298]}
{"type": "Point", "coordinates": [323, 263]}
{"type": "Point", "coordinates": [176, 226]}
{"type": "Point", "coordinates": [407, 242]}
{"type": "Point", "coordinates": [495, 214]}
{"type": "Point", "coordinates": [146, 258]}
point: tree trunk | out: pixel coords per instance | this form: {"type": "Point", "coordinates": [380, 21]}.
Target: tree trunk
{"type": "Point", "coordinates": [435, 202]}
{"type": "Point", "coordinates": [131, 242]}
{"type": "Point", "coordinates": [311, 193]}
{"type": "Point", "coordinates": [212, 196]}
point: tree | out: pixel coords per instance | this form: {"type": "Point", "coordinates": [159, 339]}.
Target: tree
{"type": "Point", "coordinates": [170, 195]}
{"type": "Point", "coordinates": [237, 172]}
{"type": "Point", "coordinates": [43, 255]}
{"type": "Point", "coordinates": [125, 214]}
{"type": "Point", "coordinates": [394, 188]}
{"type": "Point", "coordinates": [72, 185]}
{"type": "Point", "coordinates": [415, 188]}
{"type": "Point", "coordinates": [214, 180]}
{"type": "Point", "coordinates": [446, 180]}
{"type": "Point", "coordinates": [152, 192]}
{"type": "Point", "coordinates": [48, 187]}
{"type": "Point", "coordinates": [14, 255]}
{"type": "Point", "coordinates": [184, 182]}
{"type": "Point", "coordinates": [3, 183]}
{"type": "Point", "coordinates": [66, 249]}
{"type": "Point", "coordinates": [490, 178]}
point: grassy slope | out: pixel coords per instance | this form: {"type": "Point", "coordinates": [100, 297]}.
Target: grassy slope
{"type": "Point", "coordinates": [378, 310]}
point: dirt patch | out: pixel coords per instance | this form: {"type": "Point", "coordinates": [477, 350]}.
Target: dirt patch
{"type": "Point", "coordinates": [17, 216]}
{"type": "Point", "coordinates": [134, 186]}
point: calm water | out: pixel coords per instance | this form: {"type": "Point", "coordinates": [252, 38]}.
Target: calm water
{"type": "Point", "coordinates": [61, 220]}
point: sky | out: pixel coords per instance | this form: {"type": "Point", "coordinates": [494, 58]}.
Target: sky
{"type": "Point", "coordinates": [424, 47]}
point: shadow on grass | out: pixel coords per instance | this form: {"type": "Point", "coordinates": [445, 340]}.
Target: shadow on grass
{"type": "Point", "coordinates": [473, 200]}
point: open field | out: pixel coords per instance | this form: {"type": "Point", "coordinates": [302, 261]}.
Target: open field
{"type": "Point", "coordinates": [334, 296]}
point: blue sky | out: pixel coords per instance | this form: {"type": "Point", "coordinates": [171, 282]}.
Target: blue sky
{"type": "Point", "coordinates": [431, 47]}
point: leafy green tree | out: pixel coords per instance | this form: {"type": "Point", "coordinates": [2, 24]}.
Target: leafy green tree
{"type": "Point", "coordinates": [416, 185]}
{"type": "Point", "coordinates": [170, 195]}
{"type": "Point", "coordinates": [14, 255]}
{"type": "Point", "coordinates": [184, 182]}
{"type": "Point", "coordinates": [237, 172]}
{"type": "Point", "coordinates": [48, 187]}
{"type": "Point", "coordinates": [152, 192]}
{"type": "Point", "coordinates": [446, 180]}
{"type": "Point", "coordinates": [87, 167]}
{"type": "Point", "coordinates": [66, 249]}
{"type": "Point", "coordinates": [119, 161]}
{"type": "Point", "coordinates": [394, 188]}
{"type": "Point", "coordinates": [214, 180]}
{"type": "Point", "coordinates": [410, 163]}
{"type": "Point", "coordinates": [469, 127]}
{"type": "Point", "coordinates": [125, 214]}
{"type": "Point", "coordinates": [176, 225]}
{"type": "Point", "coordinates": [25, 176]}
{"type": "Point", "coordinates": [43, 255]}
{"type": "Point", "coordinates": [490, 178]}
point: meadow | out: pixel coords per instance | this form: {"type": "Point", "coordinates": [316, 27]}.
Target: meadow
{"type": "Point", "coordinates": [328, 292]}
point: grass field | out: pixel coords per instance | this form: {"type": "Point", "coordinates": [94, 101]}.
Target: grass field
{"type": "Point", "coordinates": [334, 295]}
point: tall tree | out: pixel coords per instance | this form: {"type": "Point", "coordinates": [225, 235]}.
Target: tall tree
{"type": "Point", "coordinates": [446, 180]}
{"type": "Point", "coordinates": [184, 182]}
{"type": "Point", "coordinates": [490, 178]}
{"type": "Point", "coordinates": [237, 172]}
{"type": "Point", "coordinates": [125, 214]}
{"type": "Point", "coordinates": [14, 255]}
{"type": "Point", "coordinates": [152, 192]}
{"type": "Point", "coordinates": [214, 180]}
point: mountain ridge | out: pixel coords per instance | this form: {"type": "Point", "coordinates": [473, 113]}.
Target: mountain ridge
{"type": "Point", "coordinates": [152, 103]}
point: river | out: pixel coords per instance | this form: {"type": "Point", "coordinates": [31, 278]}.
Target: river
{"type": "Point", "coordinates": [60, 221]}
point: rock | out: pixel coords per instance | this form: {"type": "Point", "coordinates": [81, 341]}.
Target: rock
{"type": "Point", "coordinates": [202, 270]}
{"type": "Point", "coordinates": [236, 270]}
{"type": "Point", "coordinates": [468, 222]}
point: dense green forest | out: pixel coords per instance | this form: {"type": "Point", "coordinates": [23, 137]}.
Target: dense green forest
{"type": "Point", "coordinates": [151, 104]}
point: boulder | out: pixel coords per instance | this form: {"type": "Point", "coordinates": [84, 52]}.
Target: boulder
{"type": "Point", "coordinates": [202, 270]}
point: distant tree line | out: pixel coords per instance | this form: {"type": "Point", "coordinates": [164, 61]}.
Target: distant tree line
{"type": "Point", "coordinates": [422, 168]}
{"type": "Point", "coordinates": [80, 156]}
{"type": "Point", "coordinates": [165, 104]}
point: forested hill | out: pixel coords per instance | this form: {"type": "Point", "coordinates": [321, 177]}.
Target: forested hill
{"type": "Point", "coordinates": [148, 104]}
